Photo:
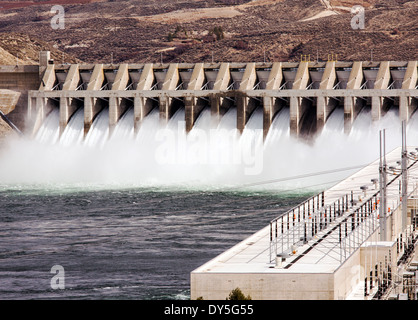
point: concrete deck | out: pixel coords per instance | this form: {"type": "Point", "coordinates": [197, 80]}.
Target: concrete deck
{"type": "Point", "coordinates": [248, 265]}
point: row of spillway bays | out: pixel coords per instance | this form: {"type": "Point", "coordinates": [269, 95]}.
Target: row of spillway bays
{"type": "Point", "coordinates": [236, 75]}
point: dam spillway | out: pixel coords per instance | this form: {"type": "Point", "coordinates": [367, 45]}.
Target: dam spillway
{"type": "Point", "coordinates": [310, 91]}
{"type": "Point", "coordinates": [162, 129]}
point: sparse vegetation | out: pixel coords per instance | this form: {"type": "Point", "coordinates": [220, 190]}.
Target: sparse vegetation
{"type": "Point", "coordinates": [232, 2]}
{"type": "Point", "coordinates": [241, 45]}
{"type": "Point", "coordinates": [218, 32]}
{"type": "Point", "coordinates": [170, 37]}
{"type": "Point", "coordinates": [237, 294]}
{"type": "Point", "coordinates": [142, 29]}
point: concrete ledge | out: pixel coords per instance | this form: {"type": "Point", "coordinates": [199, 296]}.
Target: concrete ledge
{"type": "Point", "coordinates": [207, 93]}
{"type": "Point", "coordinates": [8, 100]}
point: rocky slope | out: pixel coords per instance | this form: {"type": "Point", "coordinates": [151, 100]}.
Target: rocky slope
{"type": "Point", "coordinates": [222, 30]}
{"type": "Point", "coordinates": [20, 48]}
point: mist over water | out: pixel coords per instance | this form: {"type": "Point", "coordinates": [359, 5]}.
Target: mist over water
{"type": "Point", "coordinates": [209, 157]}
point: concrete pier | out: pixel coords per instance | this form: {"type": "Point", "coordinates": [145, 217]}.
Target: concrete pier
{"type": "Point", "coordinates": [381, 104]}
{"type": "Point", "coordinates": [353, 105]}
{"type": "Point", "coordinates": [246, 105]}
{"type": "Point", "coordinates": [117, 105]}
{"type": "Point", "coordinates": [272, 105]}
{"type": "Point", "coordinates": [68, 106]}
{"type": "Point", "coordinates": [299, 105]}
{"type": "Point", "coordinates": [328, 247]}
{"type": "Point", "coordinates": [167, 106]}
{"type": "Point", "coordinates": [194, 105]}
{"type": "Point", "coordinates": [407, 105]}
{"type": "Point", "coordinates": [220, 105]}
{"type": "Point", "coordinates": [325, 106]}
{"type": "Point", "coordinates": [93, 105]}
{"type": "Point", "coordinates": [142, 105]}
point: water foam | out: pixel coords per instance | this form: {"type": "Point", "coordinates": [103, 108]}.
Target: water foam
{"type": "Point", "coordinates": [210, 156]}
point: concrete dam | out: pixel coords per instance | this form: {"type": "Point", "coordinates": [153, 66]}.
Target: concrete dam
{"type": "Point", "coordinates": [310, 91]}
{"type": "Point", "coordinates": [206, 123]}
{"type": "Point", "coordinates": [299, 125]}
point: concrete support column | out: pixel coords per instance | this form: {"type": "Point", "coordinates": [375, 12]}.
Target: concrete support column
{"type": "Point", "coordinates": [193, 105]}
{"type": "Point", "coordinates": [31, 108]}
{"type": "Point", "coordinates": [43, 106]}
{"type": "Point", "coordinates": [165, 109]}
{"type": "Point", "coordinates": [35, 113]}
{"type": "Point", "coordinates": [298, 105]}
{"type": "Point", "coordinates": [325, 105]}
{"type": "Point", "coordinates": [117, 106]}
{"type": "Point", "coordinates": [295, 104]}
{"type": "Point", "coordinates": [147, 78]}
{"type": "Point", "coordinates": [44, 59]}
{"type": "Point", "coordinates": [48, 79]}
{"type": "Point", "coordinates": [122, 78]}
{"type": "Point", "coordinates": [88, 114]}
{"type": "Point", "coordinates": [353, 105]}
{"type": "Point", "coordinates": [382, 82]}
{"type": "Point", "coordinates": [322, 112]}
{"type": "Point", "coordinates": [272, 105]}
{"type": "Point", "coordinates": [218, 104]}
{"type": "Point", "coordinates": [170, 83]}
{"type": "Point", "coordinates": [97, 78]}
{"type": "Point", "coordinates": [39, 113]}
{"type": "Point", "coordinates": [407, 105]}
{"type": "Point", "coordinates": [143, 106]}
{"type": "Point", "coordinates": [92, 106]}
{"type": "Point", "coordinates": [245, 105]}
{"type": "Point", "coordinates": [73, 78]}
{"type": "Point", "coordinates": [67, 108]}
{"type": "Point", "coordinates": [69, 105]}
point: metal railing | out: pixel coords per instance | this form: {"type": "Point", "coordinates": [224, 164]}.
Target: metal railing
{"type": "Point", "coordinates": [357, 227]}
{"type": "Point", "coordinates": [339, 228]}
{"type": "Point", "coordinates": [301, 223]}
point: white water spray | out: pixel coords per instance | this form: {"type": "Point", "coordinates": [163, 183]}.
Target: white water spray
{"type": "Point", "coordinates": [208, 157]}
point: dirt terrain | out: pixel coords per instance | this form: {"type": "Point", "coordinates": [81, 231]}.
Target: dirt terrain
{"type": "Point", "coordinates": [7, 5]}
{"type": "Point", "coordinates": [219, 30]}
{"type": "Point", "coordinates": [97, 31]}
{"type": "Point", "coordinates": [19, 48]}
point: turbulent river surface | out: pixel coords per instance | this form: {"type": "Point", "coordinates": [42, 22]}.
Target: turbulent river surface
{"type": "Point", "coordinates": [121, 244]}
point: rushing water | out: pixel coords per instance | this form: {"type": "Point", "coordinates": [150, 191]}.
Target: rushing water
{"type": "Point", "coordinates": [120, 244]}
{"type": "Point", "coordinates": [130, 216]}
{"type": "Point", "coordinates": [210, 156]}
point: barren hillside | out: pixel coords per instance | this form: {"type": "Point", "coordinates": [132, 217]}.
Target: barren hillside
{"type": "Point", "coordinates": [18, 48]}
{"type": "Point", "coordinates": [222, 30]}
